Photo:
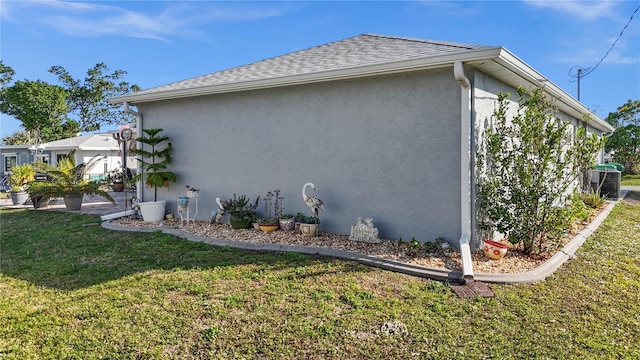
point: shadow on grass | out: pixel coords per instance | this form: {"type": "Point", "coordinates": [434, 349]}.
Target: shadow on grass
{"type": "Point", "coordinates": [58, 250]}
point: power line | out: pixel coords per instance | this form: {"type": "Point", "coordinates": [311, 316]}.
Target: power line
{"type": "Point", "coordinates": [581, 72]}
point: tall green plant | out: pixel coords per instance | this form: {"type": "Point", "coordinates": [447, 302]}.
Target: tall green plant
{"type": "Point", "coordinates": [526, 167]}
{"type": "Point", "coordinates": [67, 178]}
{"type": "Point", "coordinates": [20, 176]}
{"type": "Point", "coordinates": [154, 161]}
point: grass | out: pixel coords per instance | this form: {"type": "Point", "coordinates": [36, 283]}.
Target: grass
{"type": "Point", "coordinates": [75, 292]}
{"type": "Point", "coordinates": [631, 180]}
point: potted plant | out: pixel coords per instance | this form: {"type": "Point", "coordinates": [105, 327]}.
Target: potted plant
{"type": "Point", "coordinates": [287, 222]}
{"type": "Point", "coordinates": [67, 180]}
{"type": "Point", "coordinates": [20, 176]}
{"type": "Point", "coordinates": [154, 162]}
{"type": "Point", "coordinates": [308, 225]}
{"type": "Point", "coordinates": [115, 179]}
{"type": "Point", "coordinates": [34, 191]}
{"type": "Point", "coordinates": [272, 211]}
{"type": "Point", "coordinates": [240, 211]}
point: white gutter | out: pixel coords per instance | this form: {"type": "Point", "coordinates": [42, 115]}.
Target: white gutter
{"type": "Point", "coordinates": [465, 171]}
{"type": "Point", "coordinates": [139, 185]}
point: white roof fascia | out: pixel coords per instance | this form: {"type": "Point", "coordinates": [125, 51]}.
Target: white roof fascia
{"type": "Point", "coordinates": [79, 147]}
{"type": "Point", "coordinates": [499, 55]}
{"type": "Point", "coordinates": [315, 77]}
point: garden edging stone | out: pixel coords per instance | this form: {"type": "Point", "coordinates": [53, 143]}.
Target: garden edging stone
{"type": "Point", "coordinates": [539, 273]}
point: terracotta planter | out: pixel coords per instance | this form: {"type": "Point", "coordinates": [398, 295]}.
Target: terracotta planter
{"type": "Point", "coordinates": [494, 250]}
{"type": "Point", "coordinates": [73, 202]}
{"type": "Point", "coordinates": [309, 229]}
{"type": "Point", "coordinates": [19, 198]}
{"type": "Point", "coordinates": [117, 186]}
{"type": "Point", "coordinates": [268, 227]}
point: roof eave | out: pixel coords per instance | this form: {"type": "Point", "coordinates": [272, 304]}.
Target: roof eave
{"type": "Point", "coordinates": [316, 77]}
{"type": "Point", "coordinates": [567, 103]}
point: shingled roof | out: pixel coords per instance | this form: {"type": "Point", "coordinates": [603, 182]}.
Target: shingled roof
{"type": "Point", "coordinates": [362, 56]}
{"type": "Point", "coordinates": [100, 142]}
{"type": "Point", "coordinates": [357, 51]}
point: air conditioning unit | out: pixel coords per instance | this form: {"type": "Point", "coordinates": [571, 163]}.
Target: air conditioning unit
{"type": "Point", "coordinates": [608, 181]}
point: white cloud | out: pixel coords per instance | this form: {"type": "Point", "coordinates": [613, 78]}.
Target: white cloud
{"type": "Point", "coordinates": [588, 10]}
{"type": "Point", "coordinates": [85, 19]}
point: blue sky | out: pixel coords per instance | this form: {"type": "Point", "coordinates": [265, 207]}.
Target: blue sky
{"type": "Point", "coordinates": [158, 42]}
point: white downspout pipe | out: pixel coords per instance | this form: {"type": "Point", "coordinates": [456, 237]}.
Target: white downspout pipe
{"type": "Point", "coordinates": [465, 172]}
{"type": "Point", "coordinates": [139, 186]}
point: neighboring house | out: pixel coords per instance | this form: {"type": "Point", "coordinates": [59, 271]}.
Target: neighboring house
{"type": "Point", "coordinates": [385, 127]}
{"type": "Point", "coordinates": [86, 147]}
{"type": "Point", "coordinates": [13, 155]}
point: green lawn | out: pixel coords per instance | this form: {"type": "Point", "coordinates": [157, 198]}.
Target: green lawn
{"type": "Point", "coordinates": [631, 180]}
{"type": "Point", "coordinates": [74, 292]}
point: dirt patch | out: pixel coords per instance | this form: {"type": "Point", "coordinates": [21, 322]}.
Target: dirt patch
{"type": "Point", "coordinates": [632, 198]}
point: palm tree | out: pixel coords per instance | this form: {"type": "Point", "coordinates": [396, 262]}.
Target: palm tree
{"type": "Point", "coordinates": [68, 181]}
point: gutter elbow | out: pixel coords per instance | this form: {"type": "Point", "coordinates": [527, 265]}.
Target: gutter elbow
{"type": "Point", "coordinates": [458, 73]}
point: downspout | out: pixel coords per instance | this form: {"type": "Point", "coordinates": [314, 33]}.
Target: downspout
{"type": "Point", "coordinates": [139, 186]}
{"type": "Point", "coordinates": [465, 172]}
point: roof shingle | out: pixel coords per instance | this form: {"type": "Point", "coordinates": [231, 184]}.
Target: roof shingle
{"type": "Point", "coordinates": [365, 49]}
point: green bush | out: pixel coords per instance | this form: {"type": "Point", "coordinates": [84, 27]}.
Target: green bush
{"type": "Point", "coordinates": [526, 165]}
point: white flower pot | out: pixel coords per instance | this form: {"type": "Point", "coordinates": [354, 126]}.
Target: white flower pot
{"type": "Point", "coordinates": [19, 198]}
{"type": "Point", "coordinates": [153, 210]}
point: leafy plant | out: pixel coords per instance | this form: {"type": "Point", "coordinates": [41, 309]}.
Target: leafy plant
{"type": "Point", "coordinates": [155, 161]}
{"type": "Point", "coordinates": [67, 179]}
{"type": "Point", "coordinates": [525, 167]}
{"type": "Point", "coordinates": [593, 198]}
{"type": "Point", "coordinates": [239, 207]}
{"type": "Point", "coordinates": [115, 176]}
{"type": "Point", "coordinates": [301, 218]}
{"type": "Point", "coordinates": [20, 176]}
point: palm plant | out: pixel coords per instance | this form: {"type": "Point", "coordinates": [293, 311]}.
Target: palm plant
{"type": "Point", "coordinates": [68, 179]}
{"type": "Point", "coordinates": [20, 176]}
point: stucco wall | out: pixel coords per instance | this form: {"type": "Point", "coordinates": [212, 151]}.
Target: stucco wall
{"type": "Point", "coordinates": [385, 147]}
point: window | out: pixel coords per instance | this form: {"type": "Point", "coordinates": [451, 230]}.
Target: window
{"type": "Point", "coordinates": [43, 158]}
{"type": "Point", "coordinates": [59, 157]}
{"type": "Point", "coordinates": [10, 160]}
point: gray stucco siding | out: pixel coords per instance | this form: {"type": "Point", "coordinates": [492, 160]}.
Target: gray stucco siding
{"type": "Point", "coordinates": [386, 147]}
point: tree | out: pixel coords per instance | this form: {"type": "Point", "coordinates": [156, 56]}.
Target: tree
{"type": "Point", "coordinates": [625, 140]}
{"type": "Point", "coordinates": [88, 98]}
{"type": "Point", "coordinates": [41, 107]}
{"type": "Point", "coordinates": [6, 74]}
{"type": "Point", "coordinates": [526, 167]}
{"type": "Point", "coordinates": [17, 138]}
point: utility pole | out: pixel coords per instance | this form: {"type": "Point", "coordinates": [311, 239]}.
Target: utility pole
{"type": "Point", "coordinates": [579, 76]}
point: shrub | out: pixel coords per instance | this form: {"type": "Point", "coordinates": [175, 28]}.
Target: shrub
{"type": "Point", "coordinates": [526, 166]}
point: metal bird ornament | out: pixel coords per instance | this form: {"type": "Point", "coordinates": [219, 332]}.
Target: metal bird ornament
{"type": "Point", "coordinates": [313, 202]}
{"type": "Point", "coordinates": [217, 215]}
